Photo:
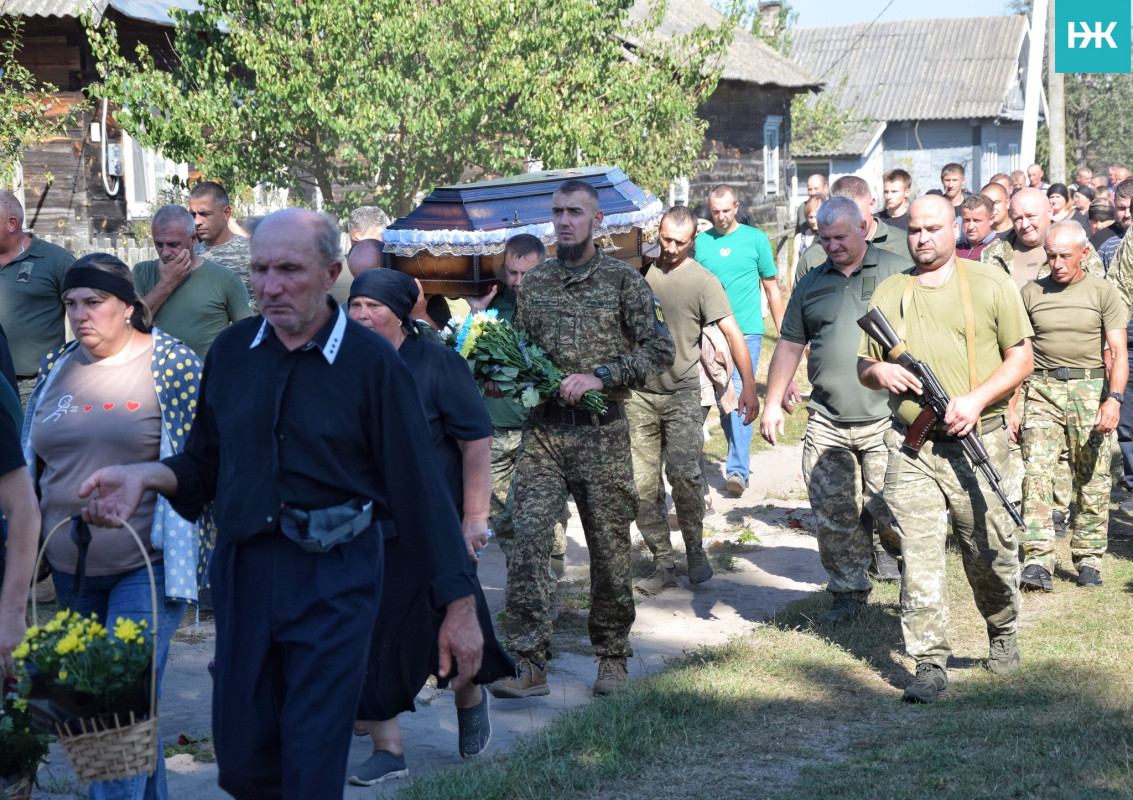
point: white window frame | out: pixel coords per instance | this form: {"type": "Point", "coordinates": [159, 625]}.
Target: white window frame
{"type": "Point", "coordinates": [772, 166]}
{"type": "Point", "coordinates": [992, 158]}
{"type": "Point", "coordinates": [1013, 156]}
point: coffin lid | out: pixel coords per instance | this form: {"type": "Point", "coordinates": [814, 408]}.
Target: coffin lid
{"type": "Point", "coordinates": [478, 218]}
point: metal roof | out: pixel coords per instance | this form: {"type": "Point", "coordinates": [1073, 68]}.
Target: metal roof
{"type": "Point", "coordinates": [919, 69]}
{"type": "Point", "coordinates": [156, 11]}
{"type": "Point", "coordinates": [747, 59]}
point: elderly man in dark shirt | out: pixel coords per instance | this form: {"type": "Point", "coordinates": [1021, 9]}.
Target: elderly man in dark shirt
{"type": "Point", "coordinates": [293, 621]}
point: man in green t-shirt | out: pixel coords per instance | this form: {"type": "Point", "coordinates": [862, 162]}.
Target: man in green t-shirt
{"type": "Point", "coordinates": [191, 298]}
{"type": "Point", "coordinates": [31, 279]}
{"type": "Point", "coordinates": [1070, 407]}
{"type": "Point", "coordinates": [939, 308]}
{"type": "Point", "coordinates": [740, 256]}
{"type": "Point", "coordinates": [665, 422]}
{"type": "Point", "coordinates": [844, 453]}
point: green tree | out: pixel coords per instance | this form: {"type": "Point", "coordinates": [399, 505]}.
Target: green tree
{"type": "Point", "coordinates": [393, 97]}
{"type": "Point", "coordinates": [29, 114]}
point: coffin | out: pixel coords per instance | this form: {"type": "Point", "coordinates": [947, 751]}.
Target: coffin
{"type": "Point", "coordinates": [454, 241]}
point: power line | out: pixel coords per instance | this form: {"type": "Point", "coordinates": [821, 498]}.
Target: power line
{"type": "Point", "coordinates": [854, 43]}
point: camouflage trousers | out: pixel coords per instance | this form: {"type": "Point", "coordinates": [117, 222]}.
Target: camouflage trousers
{"type": "Point", "coordinates": [920, 489]}
{"type": "Point", "coordinates": [1059, 418]}
{"type": "Point", "coordinates": [592, 463]}
{"type": "Point", "coordinates": [667, 428]}
{"type": "Point", "coordinates": [1063, 485]}
{"type": "Point", "coordinates": [844, 469]}
{"type": "Point", "coordinates": [506, 443]}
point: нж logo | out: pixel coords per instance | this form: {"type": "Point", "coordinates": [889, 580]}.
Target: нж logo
{"type": "Point", "coordinates": [1092, 37]}
{"type": "Point", "coordinates": [1097, 35]}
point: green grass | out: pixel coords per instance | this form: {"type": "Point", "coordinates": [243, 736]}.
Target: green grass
{"type": "Point", "coordinates": [803, 711]}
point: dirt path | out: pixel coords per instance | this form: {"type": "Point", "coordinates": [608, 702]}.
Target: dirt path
{"type": "Point", "coordinates": [761, 576]}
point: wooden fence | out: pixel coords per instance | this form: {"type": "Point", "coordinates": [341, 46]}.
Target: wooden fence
{"type": "Point", "coordinates": [131, 251]}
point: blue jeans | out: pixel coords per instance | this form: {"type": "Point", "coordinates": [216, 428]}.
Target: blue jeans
{"type": "Point", "coordinates": [127, 595]}
{"type": "Point", "coordinates": [736, 433]}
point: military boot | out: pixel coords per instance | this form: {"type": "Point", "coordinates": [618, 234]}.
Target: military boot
{"type": "Point", "coordinates": [659, 580]}
{"type": "Point", "coordinates": [699, 570]}
{"type": "Point", "coordinates": [612, 675]}
{"type": "Point", "coordinates": [930, 685]}
{"type": "Point", "coordinates": [846, 606]}
{"type": "Point", "coordinates": [1003, 656]}
{"type": "Point", "coordinates": [530, 681]}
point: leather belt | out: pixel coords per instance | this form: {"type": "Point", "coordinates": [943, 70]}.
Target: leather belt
{"type": "Point", "coordinates": [1067, 373]}
{"type": "Point", "coordinates": [937, 434]}
{"type": "Point", "coordinates": [554, 414]}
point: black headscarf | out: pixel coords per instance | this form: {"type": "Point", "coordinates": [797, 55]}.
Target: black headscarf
{"type": "Point", "coordinates": [395, 290]}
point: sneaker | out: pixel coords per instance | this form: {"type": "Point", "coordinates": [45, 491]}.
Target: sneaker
{"type": "Point", "coordinates": [475, 727]}
{"type": "Point", "coordinates": [1003, 657]}
{"type": "Point", "coordinates": [885, 568]}
{"type": "Point", "coordinates": [381, 766]}
{"type": "Point", "coordinates": [845, 606]}
{"type": "Point", "coordinates": [659, 580]}
{"type": "Point", "coordinates": [612, 675]}
{"type": "Point", "coordinates": [1036, 577]}
{"type": "Point", "coordinates": [1088, 576]}
{"type": "Point", "coordinates": [931, 684]}
{"type": "Point", "coordinates": [1058, 520]}
{"type": "Point", "coordinates": [530, 681]}
{"type": "Point", "coordinates": [699, 570]}
{"type": "Point", "coordinates": [736, 485]}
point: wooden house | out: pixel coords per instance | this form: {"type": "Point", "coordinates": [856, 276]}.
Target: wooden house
{"type": "Point", "coordinates": [71, 186]}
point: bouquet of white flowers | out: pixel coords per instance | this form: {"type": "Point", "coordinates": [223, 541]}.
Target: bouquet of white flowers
{"type": "Point", "coordinates": [498, 352]}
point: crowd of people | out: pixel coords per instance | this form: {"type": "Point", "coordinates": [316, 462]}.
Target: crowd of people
{"type": "Point", "coordinates": [339, 550]}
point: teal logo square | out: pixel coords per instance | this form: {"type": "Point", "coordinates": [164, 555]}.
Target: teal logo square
{"type": "Point", "coordinates": [1092, 37]}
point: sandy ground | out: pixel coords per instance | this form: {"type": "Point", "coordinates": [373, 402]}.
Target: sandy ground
{"type": "Point", "coordinates": [781, 567]}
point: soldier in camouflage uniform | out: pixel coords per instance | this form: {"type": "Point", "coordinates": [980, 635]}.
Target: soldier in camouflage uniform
{"type": "Point", "coordinates": [844, 452]}
{"type": "Point", "coordinates": [211, 210]}
{"type": "Point", "coordinates": [665, 423]}
{"type": "Point", "coordinates": [598, 322]}
{"type": "Point", "coordinates": [521, 254]}
{"type": "Point", "coordinates": [1020, 254]}
{"type": "Point", "coordinates": [1068, 405]}
{"type": "Point", "coordinates": [929, 308]}
{"type": "Point", "coordinates": [1120, 274]}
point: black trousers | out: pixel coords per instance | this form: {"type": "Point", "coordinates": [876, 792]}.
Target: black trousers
{"type": "Point", "coordinates": [292, 634]}
{"type": "Point", "coordinates": [1125, 430]}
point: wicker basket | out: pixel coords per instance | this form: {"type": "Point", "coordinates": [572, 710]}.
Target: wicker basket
{"type": "Point", "coordinates": [109, 748]}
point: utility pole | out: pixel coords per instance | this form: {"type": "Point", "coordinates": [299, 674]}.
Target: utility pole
{"type": "Point", "coordinates": [1056, 102]}
{"type": "Point", "coordinates": [1032, 91]}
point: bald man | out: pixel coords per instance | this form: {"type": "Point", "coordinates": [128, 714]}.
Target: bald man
{"type": "Point", "coordinates": [942, 295]}
{"type": "Point", "coordinates": [1020, 253]}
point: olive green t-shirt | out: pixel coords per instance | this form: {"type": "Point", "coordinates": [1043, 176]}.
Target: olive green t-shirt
{"type": "Point", "coordinates": [934, 329]}
{"type": "Point", "coordinates": [209, 299]}
{"type": "Point", "coordinates": [31, 310]}
{"type": "Point", "coordinates": [823, 312]}
{"type": "Point", "coordinates": [691, 297]}
{"type": "Point", "coordinates": [1070, 320]}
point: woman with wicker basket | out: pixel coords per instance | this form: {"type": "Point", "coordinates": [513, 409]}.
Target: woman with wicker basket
{"type": "Point", "coordinates": [121, 392]}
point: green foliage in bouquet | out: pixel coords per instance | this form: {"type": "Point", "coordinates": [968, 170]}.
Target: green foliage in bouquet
{"type": "Point", "coordinates": [21, 747]}
{"type": "Point", "coordinates": [79, 653]}
{"type": "Point", "coordinates": [498, 352]}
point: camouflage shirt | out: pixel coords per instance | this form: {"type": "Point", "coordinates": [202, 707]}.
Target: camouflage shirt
{"type": "Point", "coordinates": [1001, 253]}
{"type": "Point", "coordinates": [1121, 272]}
{"type": "Point", "coordinates": [600, 314]}
{"type": "Point", "coordinates": [236, 254]}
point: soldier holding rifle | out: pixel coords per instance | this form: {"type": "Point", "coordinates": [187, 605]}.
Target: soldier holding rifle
{"type": "Point", "coordinates": [966, 321]}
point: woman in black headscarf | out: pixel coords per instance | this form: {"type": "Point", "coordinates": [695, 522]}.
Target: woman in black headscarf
{"type": "Point", "coordinates": [402, 650]}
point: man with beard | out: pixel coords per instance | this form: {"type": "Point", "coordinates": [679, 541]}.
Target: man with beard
{"type": "Point", "coordinates": [844, 452]}
{"type": "Point", "coordinates": [598, 322]}
{"type": "Point", "coordinates": [665, 424]}
{"type": "Point", "coordinates": [979, 371]}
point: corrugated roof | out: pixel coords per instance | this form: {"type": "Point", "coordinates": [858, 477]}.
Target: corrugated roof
{"type": "Point", "coordinates": [148, 10]}
{"type": "Point", "coordinates": [919, 69]}
{"type": "Point", "coordinates": [748, 59]}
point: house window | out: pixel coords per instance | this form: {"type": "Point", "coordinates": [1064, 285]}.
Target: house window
{"type": "Point", "coordinates": [804, 169]}
{"type": "Point", "coordinates": [992, 158]}
{"type": "Point", "coordinates": [771, 165]}
{"type": "Point", "coordinates": [1013, 156]}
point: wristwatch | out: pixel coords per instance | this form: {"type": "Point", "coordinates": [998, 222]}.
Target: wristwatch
{"type": "Point", "coordinates": [1118, 396]}
{"type": "Point", "coordinates": [602, 373]}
